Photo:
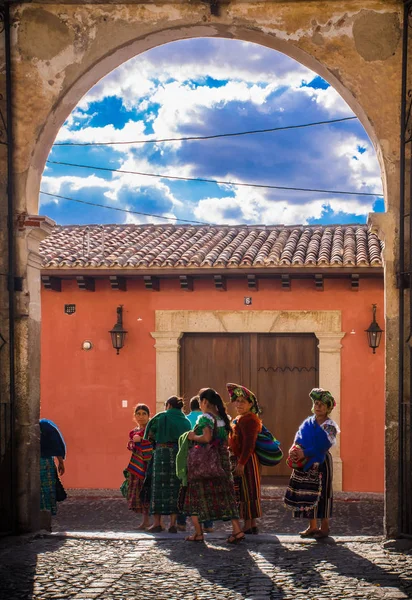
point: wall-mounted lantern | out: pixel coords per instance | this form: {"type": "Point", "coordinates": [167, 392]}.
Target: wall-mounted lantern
{"type": "Point", "coordinates": [118, 334]}
{"type": "Point", "coordinates": [374, 332]}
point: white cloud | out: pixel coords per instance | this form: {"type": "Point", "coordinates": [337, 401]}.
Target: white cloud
{"type": "Point", "coordinates": [329, 99]}
{"type": "Point", "coordinates": [193, 60]}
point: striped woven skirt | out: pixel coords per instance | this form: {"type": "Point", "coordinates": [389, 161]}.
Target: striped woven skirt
{"type": "Point", "coordinates": [248, 490]}
{"type": "Point", "coordinates": [48, 485]}
{"type": "Point", "coordinates": [165, 484]}
{"type": "Point", "coordinates": [213, 499]}
{"type": "Point", "coordinates": [324, 507]}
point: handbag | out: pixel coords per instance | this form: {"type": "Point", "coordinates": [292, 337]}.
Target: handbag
{"type": "Point", "coordinates": [61, 493]}
{"type": "Point", "coordinates": [267, 448]}
{"type": "Point", "coordinates": [124, 488]}
{"type": "Point", "coordinates": [299, 464]}
{"type": "Point", "coordinates": [203, 461]}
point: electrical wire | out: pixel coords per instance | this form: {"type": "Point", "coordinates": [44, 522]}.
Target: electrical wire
{"type": "Point", "coordinates": [219, 182]}
{"type": "Point", "coordinates": [205, 137]}
{"type": "Point", "coordinates": [133, 212]}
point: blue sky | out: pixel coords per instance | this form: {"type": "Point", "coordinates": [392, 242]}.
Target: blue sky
{"type": "Point", "coordinates": [205, 87]}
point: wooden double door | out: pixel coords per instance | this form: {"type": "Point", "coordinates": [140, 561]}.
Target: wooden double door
{"type": "Point", "coordinates": [280, 369]}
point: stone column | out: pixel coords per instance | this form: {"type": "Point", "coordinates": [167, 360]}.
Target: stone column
{"type": "Point", "coordinates": [167, 365]}
{"type": "Point", "coordinates": [31, 230]}
{"type": "Point", "coordinates": [330, 379]}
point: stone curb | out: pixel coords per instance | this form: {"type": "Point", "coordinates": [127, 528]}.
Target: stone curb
{"type": "Point", "coordinates": [167, 537]}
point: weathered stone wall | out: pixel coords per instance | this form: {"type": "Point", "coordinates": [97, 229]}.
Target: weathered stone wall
{"type": "Point", "coordinates": [60, 51]}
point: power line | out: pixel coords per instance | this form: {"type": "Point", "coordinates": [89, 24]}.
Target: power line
{"type": "Point", "coordinates": [205, 137]}
{"type": "Point", "coordinates": [201, 180]}
{"type": "Point", "coordinates": [133, 212]}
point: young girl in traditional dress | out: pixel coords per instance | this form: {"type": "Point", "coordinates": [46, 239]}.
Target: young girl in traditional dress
{"type": "Point", "coordinates": [141, 452]}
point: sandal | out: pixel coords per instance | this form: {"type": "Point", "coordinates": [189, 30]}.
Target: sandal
{"type": "Point", "coordinates": [255, 530]}
{"type": "Point", "coordinates": [248, 531]}
{"type": "Point", "coordinates": [196, 537]}
{"type": "Point", "coordinates": [308, 533]}
{"type": "Point", "coordinates": [320, 535]}
{"type": "Point", "coordinates": [236, 538]}
{"type": "Point", "coordinates": [172, 529]}
{"type": "Point", "coordinates": [155, 529]}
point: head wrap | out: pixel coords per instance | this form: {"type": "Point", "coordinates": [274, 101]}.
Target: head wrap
{"type": "Point", "coordinates": [235, 390]}
{"type": "Point", "coordinates": [323, 396]}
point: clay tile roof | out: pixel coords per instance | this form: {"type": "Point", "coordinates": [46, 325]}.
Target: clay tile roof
{"type": "Point", "coordinates": [187, 247]}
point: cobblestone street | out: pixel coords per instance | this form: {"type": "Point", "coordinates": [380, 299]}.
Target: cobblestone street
{"type": "Point", "coordinates": [93, 553]}
{"type": "Point", "coordinates": [143, 567]}
{"type": "Point", "coordinates": [85, 510]}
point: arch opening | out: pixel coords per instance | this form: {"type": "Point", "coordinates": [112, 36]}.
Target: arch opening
{"type": "Point", "coordinates": [90, 76]}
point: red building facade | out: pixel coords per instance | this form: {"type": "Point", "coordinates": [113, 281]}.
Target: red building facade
{"type": "Point", "coordinates": [279, 309]}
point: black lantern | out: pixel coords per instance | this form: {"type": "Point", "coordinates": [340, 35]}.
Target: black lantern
{"type": "Point", "coordinates": [374, 332]}
{"type": "Point", "coordinates": [118, 334]}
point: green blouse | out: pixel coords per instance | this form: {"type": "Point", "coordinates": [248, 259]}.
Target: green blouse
{"type": "Point", "coordinates": [207, 420]}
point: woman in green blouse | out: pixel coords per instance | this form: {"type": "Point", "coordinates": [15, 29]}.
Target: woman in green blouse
{"type": "Point", "coordinates": [212, 499]}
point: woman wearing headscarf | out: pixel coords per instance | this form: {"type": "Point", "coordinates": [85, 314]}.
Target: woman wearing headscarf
{"type": "Point", "coordinates": [164, 429]}
{"type": "Point", "coordinates": [242, 441]}
{"type": "Point", "coordinates": [52, 447]}
{"type": "Point", "coordinates": [310, 492]}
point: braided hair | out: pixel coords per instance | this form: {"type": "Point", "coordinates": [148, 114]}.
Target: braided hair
{"type": "Point", "coordinates": [213, 397]}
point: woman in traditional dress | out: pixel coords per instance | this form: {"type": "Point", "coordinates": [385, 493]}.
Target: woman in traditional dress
{"type": "Point", "coordinates": [164, 429]}
{"type": "Point", "coordinates": [213, 499]}
{"type": "Point", "coordinates": [52, 447]}
{"type": "Point", "coordinates": [310, 492]}
{"type": "Point", "coordinates": [242, 441]}
{"type": "Point", "coordinates": [141, 453]}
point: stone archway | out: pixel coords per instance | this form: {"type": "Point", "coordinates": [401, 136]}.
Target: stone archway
{"type": "Point", "coordinates": [60, 51]}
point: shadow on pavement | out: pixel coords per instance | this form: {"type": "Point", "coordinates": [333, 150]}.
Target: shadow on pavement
{"type": "Point", "coordinates": [259, 570]}
{"type": "Point", "coordinates": [18, 566]}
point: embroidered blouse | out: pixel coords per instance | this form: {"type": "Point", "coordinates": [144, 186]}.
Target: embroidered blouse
{"type": "Point", "coordinates": [207, 420]}
{"type": "Point", "coordinates": [143, 447]}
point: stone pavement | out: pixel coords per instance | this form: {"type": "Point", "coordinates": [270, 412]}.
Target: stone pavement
{"type": "Point", "coordinates": [265, 567]}
{"type": "Point", "coordinates": [106, 510]}
{"type": "Point", "coordinates": [93, 554]}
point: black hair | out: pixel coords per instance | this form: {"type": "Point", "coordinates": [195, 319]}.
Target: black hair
{"type": "Point", "coordinates": [174, 402]}
{"type": "Point", "coordinates": [141, 407]}
{"type": "Point", "coordinates": [194, 403]}
{"type": "Point", "coordinates": [213, 397]}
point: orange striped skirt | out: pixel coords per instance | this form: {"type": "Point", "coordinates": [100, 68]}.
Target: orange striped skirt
{"type": "Point", "coordinates": [248, 490]}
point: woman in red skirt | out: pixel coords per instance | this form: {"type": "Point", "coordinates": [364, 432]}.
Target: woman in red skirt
{"type": "Point", "coordinates": [245, 429]}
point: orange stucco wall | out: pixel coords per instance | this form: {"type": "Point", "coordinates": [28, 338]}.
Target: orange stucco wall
{"type": "Point", "coordinates": [83, 391]}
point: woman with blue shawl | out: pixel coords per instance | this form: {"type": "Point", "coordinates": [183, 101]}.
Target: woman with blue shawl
{"type": "Point", "coordinates": [310, 493]}
{"type": "Point", "coordinates": [51, 446]}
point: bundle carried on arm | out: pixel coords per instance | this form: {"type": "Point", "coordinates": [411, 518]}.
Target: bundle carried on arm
{"type": "Point", "coordinates": [315, 439]}
{"type": "Point", "coordinates": [181, 458]}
